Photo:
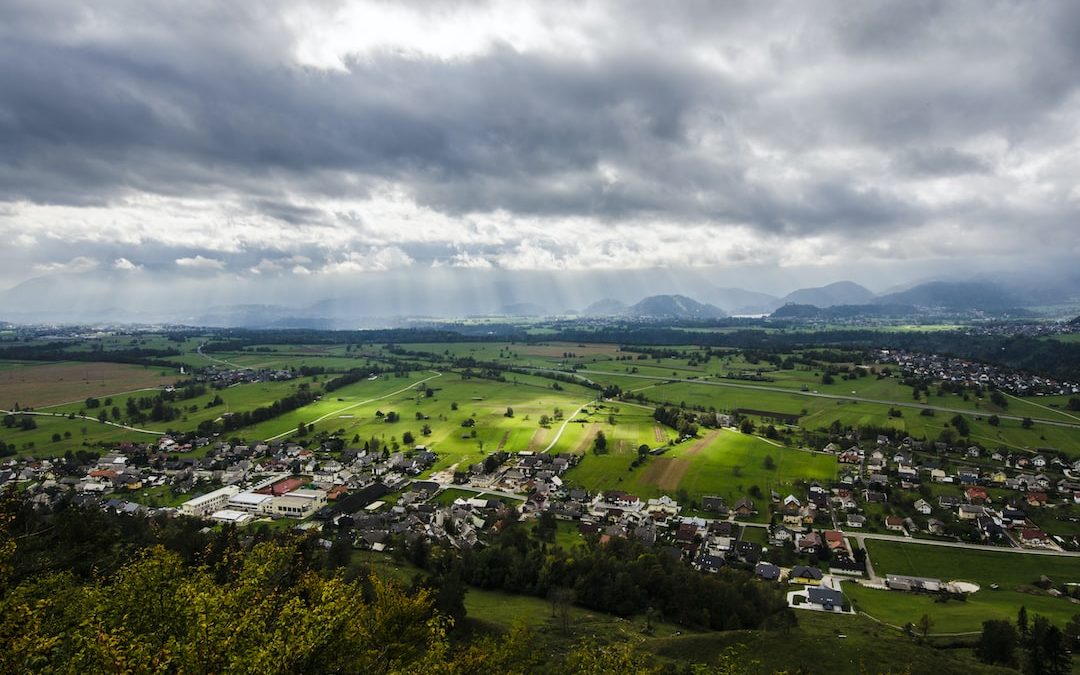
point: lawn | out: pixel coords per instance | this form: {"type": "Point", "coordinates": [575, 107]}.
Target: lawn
{"type": "Point", "coordinates": [1013, 572]}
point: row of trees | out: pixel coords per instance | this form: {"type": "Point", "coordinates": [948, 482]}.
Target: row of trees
{"type": "Point", "coordinates": [1037, 645]}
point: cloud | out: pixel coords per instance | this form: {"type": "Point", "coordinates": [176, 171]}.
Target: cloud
{"type": "Point", "coordinates": [199, 262]}
{"type": "Point", "coordinates": [77, 264]}
{"type": "Point", "coordinates": [358, 137]}
{"type": "Point", "coordinates": [125, 264]}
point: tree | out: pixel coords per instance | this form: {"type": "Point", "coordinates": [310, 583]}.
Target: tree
{"type": "Point", "coordinates": [1022, 621]}
{"type": "Point", "coordinates": [961, 425]}
{"type": "Point", "coordinates": [1027, 423]}
{"type": "Point", "coordinates": [998, 643]}
{"type": "Point", "coordinates": [993, 420]}
{"type": "Point", "coordinates": [746, 426]}
{"type": "Point", "coordinates": [925, 624]}
{"type": "Point", "coordinates": [1046, 650]}
{"type": "Point", "coordinates": [407, 438]}
{"type": "Point", "coordinates": [454, 406]}
{"type": "Point", "coordinates": [301, 429]}
{"type": "Point", "coordinates": [562, 602]}
{"type": "Point", "coordinates": [998, 399]}
{"type": "Point", "coordinates": [769, 463]}
{"type": "Point", "coordinates": [600, 443]}
{"type": "Point", "coordinates": [642, 451]}
{"type": "Point", "coordinates": [426, 430]}
{"type": "Point", "coordinates": [545, 420]}
{"type": "Point", "coordinates": [509, 412]}
{"type": "Point", "coordinates": [1072, 633]}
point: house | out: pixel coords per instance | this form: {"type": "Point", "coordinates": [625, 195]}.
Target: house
{"type": "Point", "coordinates": [835, 540]}
{"type": "Point", "coordinates": [976, 494]}
{"type": "Point", "coordinates": [803, 574]}
{"type": "Point", "coordinates": [935, 526]}
{"type": "Point", "coordinates": [1033, 537]}
{"type": "Point", "coordinates": [923, 507]}
{"type": "Point", "coordinates": [1038, 461]}
{"type": "Point", "coordinates": [744, 507]}
{"type": "Point", "coordinates": [826, 598]}
{"type": "Point", "coordinates": [969, 511]}
{"type": "Point", "coordinates": [894, 523]}
{"type": "Point", "coordinates": [856, 520]}
{"type": "Point", "coordinates": [708, 563]}
{"type": "Point", "coordinates": [781, 534]}
{"type": "Point", "coordinates": [1036, 499]}
{"type": "Point", "coordinates": [809, 543]}
{"type": "Point", "coordinates": [713, 504]}
{"type": "Point", "coordinates": [767, 571]}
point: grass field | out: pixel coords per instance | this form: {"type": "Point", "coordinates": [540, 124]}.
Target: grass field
{"type": "Point", "coordinates": [1013, 572]}
{"type": "Point", "coordinates": [720, 462]}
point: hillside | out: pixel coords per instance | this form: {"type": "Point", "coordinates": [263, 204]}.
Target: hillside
{"type": "Point", "coordinates": [839, 293]}
{"type": "Point", "coordinates": [674, 307]}
{"type": "Point", "coordinates": [954, 295]}
{"type": "Point", "coordinates": [605, 307]}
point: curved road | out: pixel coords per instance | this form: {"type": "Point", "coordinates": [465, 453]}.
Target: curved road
{"type": "Point", "coordinates": [360, 403]}
{"type": "Point", "coordinates": [83, 417]}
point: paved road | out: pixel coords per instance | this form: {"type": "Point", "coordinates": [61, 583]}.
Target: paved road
{"type": "Point", "coordinates": [958, 544]}
{"type": "Point", "coordinates": [931, 542]}
{"type": "Point", "coordinates": [497, 493]}
{"type": "Point", "coordinates": [836, 397]}
{"type": "Point", "coordinates": [82, 417]}
{"type": "Point", "coordinates": [360, 403]}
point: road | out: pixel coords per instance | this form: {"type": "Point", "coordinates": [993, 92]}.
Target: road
{"type": "Point", "coordinates": [360, 403]}
{"type": "Point", "coordinates": [859, 536]}
{"type": "Point", "coordinates": [559, 433]}
{"type": "Point", "coordinates": [82, 417]}
{"type": "Point", "coordinates": [835, 397]}
{"type": "Point", "coordinates": [957, 544]}
{"type": "Point", "coordinates": [497, 493]}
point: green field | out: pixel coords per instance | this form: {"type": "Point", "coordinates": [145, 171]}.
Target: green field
{"type": "Point", "coordinates": [1013, 572]}
{"type": "Point", "coordinates": [721, 462]}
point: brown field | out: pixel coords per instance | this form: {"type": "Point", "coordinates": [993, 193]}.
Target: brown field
{"type": "Point", "coordinates": [701, 444]}
{"type": "Point", "coordinates": [557, 349]}
{"type": "Point", "coordinates": [665, 473]}
{"type": "Point", "coordinates": [502, 441]}
{"type": "Point", "coordinates": [587, 440]}
{"type": "Point", "coordinates": [48, 384]}
{"type": "Point", "coordinates": [659, 434]}
{"type": "Point", "coordinates": [539, 439]}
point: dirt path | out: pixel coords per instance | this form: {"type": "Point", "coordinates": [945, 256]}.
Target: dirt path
{"type": "Point", "coordinates": [666, 473]}
{"type": "Point", "coordinates": [586, 443]}
{"type": "Point", "coordinates": [701, 444]}
{"type": "Point", "coordinates": [538, 438]}
{"type": "Point", "coordinates": [502, 441]}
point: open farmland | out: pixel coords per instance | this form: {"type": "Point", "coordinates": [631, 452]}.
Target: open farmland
{"type": "Point", "coordinates": [33, 385]}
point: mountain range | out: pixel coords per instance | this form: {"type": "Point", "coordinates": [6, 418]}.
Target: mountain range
{"type": "Point", "coordinates": [391, 302]}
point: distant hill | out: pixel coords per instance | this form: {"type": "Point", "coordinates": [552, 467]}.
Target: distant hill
{"type": "Point", "coordinates": [839, 293]}
{"type": "Point", "coordinates": [674, 307]}
{"type": "Point", "coordinates": [955, 296]}
{"type": "Point", "coordinates": [605, 307]}
{"type": "Point", "coordinates": [742, 301]}
{"type": "Point", "coordinates": [793, 311]}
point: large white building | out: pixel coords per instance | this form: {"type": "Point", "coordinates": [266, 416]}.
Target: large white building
{"type": "Point", "coordinates": [250, 502]}
{"type": "Point", "coordinates": [298, 503]}
{"type": "Point", "coordinates": [203, 505]}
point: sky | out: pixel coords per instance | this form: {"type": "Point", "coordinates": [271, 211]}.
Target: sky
{"type": "Point", "coordinates": [293, 151]}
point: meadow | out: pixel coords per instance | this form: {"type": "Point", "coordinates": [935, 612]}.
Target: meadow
{"type": "Point", "coordinates": [1015, 574]}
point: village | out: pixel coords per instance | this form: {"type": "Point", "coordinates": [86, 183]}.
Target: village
{"type": "Point", "coordinates": [812, 537]}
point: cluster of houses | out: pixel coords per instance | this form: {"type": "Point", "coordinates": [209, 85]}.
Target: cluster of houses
{"type": "Point", "coordinates": [972, 373]}
{"type": "Point", "coordinates": [913, 487]}
{"type": "Point", "coordinates": [221, 377]}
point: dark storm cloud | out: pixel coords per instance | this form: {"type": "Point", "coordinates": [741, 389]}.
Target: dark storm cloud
{"type": "Point", "coordinates": [792, 120]}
